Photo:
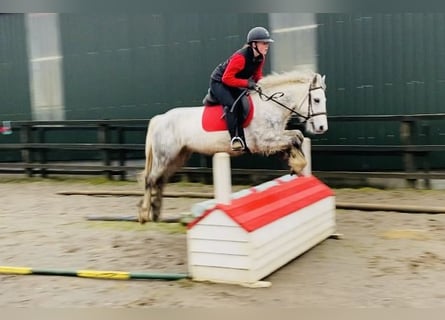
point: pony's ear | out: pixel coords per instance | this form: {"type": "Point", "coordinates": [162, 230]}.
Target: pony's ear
{"type": "Point", "coordinates": [323, 78]}
{"type": "Point", "coordinates": [314, 81]}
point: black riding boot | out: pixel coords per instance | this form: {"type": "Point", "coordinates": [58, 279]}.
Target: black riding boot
{"type": "Point", "coordinates": [240, 131]}
{"type": "Point", "coordinates": [236, 142]}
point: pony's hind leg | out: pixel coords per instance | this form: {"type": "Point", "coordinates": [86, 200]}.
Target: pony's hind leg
{"type": "Point", "coordinates": [159, 152]}
{"type": "Point", "coordinates": [151, 203]}
{"type": "Point", "coordinates": [156, 200]}
{"type": "Point", "coordinates": [144, 206]}
{"type": "Point", "coordinates": [158, 187]}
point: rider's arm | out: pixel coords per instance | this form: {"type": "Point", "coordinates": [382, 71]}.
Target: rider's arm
{"type": "Point", "coordinates": [235, 65]}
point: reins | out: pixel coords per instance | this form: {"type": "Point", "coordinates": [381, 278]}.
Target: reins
{"type": "Point", "coordinates": [279, 94]}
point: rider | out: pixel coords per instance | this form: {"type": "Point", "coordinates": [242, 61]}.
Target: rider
{"type": "Point", "coordinates": [231, 78]}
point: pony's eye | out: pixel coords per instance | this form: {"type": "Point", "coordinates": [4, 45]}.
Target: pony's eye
{"type": "Point", "coordinates": [316, 100]}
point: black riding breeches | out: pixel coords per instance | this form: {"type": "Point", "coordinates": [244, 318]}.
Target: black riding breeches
{"type": "Point", "coordinates": [227, 96]}
{"type": "Point", "coordinates": [224, 94]}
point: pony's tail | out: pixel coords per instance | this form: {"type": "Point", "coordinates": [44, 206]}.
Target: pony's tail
{"type": "Point", "coordinates": [142, 177]}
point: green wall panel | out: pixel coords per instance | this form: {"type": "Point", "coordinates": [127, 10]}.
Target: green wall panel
{"type": "Point", "coordinates": [380, 64]}
{"type": "Point", "coordinates": [139, 65]}
{"type": "Point", "coordinates": [14, 75]}
{"type": "Point", "coordinates": [126, 66]}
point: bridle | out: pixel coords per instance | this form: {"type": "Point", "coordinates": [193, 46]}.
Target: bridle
{"type": "Point", "coordinates": [310, 111]}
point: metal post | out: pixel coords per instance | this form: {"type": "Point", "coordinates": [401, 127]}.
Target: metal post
{"type": "Point", "coordinates": [426, 155]}
{"type": "Point", "coordinates": [25, 137]}
{"type": "Point", "coordinates": [42, 152]}
{"type": "Point", "coordinates": [406, 133]}
{"type": "Point", "coordinates": [122, 152]}
{"type": "Point", "coordinates": [103, 139]}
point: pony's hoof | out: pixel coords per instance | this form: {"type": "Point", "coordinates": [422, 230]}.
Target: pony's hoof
{"type": "Point", "coordinates": [296, 161]}
{"type": "Point", "coordinates": [141, 219]}
{"type": "Point", "coordinates": [142, 216]}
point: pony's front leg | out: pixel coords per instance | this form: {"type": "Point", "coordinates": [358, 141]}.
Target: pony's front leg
{"type": "Point", "coordinates": [296, 138]}
{"type": "Point", "coordinates": [296, 159]}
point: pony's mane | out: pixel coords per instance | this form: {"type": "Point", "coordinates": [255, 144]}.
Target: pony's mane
{"type": "Point", "coordinates": [294, 76]}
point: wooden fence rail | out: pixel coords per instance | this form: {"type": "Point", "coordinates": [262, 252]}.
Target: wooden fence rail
{"type": "Point", "coordinates": [113, 153]}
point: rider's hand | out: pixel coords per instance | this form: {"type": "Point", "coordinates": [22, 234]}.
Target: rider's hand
{"type": "Point", "coordinates": [251, 84]}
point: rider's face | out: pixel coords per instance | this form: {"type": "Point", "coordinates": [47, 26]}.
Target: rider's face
{"type": "Point", "coordinates": [262, 47]}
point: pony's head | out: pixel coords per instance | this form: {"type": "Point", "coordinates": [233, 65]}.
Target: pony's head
{"type": "Point", "coordinates": [316, 117]}
{"type": "Point", "coordinates": [303, 94]}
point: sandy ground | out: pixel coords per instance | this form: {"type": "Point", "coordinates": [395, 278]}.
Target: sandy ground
{"type": "Point", "coordinates": [385, 259]}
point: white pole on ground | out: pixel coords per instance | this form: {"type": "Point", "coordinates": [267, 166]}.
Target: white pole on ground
{"type": "Point", "coordinates": [306, 148]}
{"type": "Point", "coordinates": [222, 177]}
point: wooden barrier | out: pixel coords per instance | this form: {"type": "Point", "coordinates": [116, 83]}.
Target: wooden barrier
{"type": "Point", "coordinates": [260, 230]}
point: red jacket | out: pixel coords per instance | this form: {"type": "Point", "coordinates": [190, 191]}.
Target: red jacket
{"type": "Point", "coordinates": [241, 66]}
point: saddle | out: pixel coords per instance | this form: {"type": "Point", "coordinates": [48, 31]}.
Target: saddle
{"type": "Point", "coordinates": [210, 100]}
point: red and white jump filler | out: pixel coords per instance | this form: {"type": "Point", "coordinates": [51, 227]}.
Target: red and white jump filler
{"type": "Point", "coordinates": [243, 240]}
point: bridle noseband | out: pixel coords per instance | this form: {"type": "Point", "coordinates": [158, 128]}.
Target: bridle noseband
{"type": "Point", "coordinates": [310, 111]}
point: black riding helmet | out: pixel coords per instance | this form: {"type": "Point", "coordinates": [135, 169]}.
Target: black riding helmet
{"type": "Point", "coordinates": [258, 34]}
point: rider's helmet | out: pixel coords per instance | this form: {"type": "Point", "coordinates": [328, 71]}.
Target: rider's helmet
{"type": "Point", "coordinates": [258, 34]}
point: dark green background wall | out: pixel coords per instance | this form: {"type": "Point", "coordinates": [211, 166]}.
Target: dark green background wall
{"type": "Point", "coordinates": [136, 66]}
{"type": "Point", "coordinates": [14, 75]}
{"type": "Point", "coordinates": [380, 64]}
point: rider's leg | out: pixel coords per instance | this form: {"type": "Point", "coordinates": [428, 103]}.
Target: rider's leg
{"type": "Point", "coordinates": [236, 142]}
{"type": "Point", "coordinates": [231, 121]}
{"type": "Point", "coordinates": [226, 97]}
{"type": "Point", "coordinates": [240, 129]}
{"type": "Point", "coordinates": [237, 109]}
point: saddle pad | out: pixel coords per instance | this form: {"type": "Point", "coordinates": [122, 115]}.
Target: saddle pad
{"type": "Point", "coordinates": [212, 118]}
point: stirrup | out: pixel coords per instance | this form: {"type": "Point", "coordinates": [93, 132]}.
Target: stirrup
{"type": "Point", "coordinates": [237, 144]}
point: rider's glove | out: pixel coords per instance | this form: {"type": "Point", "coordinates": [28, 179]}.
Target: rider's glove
{"type": "Point", "coordinates": [251, 84]}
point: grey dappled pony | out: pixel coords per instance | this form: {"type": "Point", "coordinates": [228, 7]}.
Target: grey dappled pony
{"type": "Point", "coordinates": [173, 136]}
